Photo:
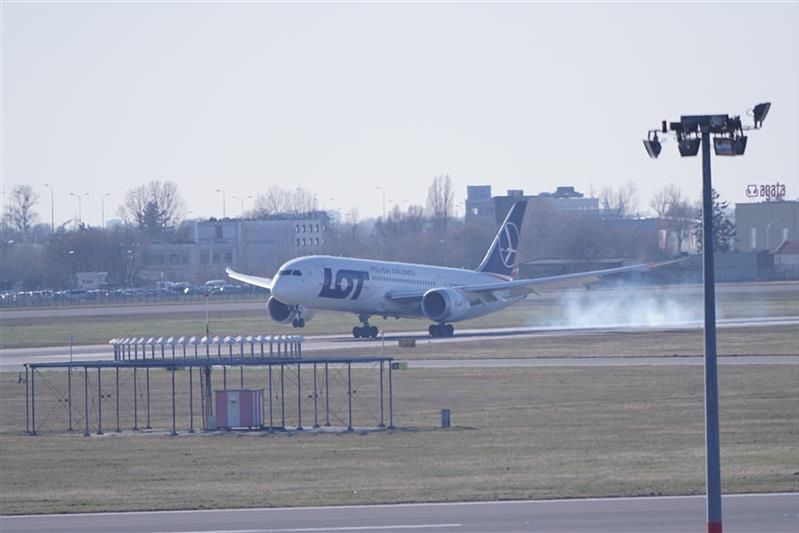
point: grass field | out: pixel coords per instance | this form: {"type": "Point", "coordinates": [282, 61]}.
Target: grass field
{"type": "Point", "coordinates": [517, 433]}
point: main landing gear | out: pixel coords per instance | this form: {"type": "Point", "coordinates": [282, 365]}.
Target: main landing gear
{"type": "Point", "coordinates": [366, 331]}
{"type": "Point", "coordinates": [298, 323]}
{"type": "Point", "coordinates": [441, 330]}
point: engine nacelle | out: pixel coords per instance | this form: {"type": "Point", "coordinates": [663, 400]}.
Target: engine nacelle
{"type": "Point", "coordinates": [280, 312]}
{"type": "Point", "coordinates": [445, 305]}
{"type": "Point", "coordinates": [285, 313]}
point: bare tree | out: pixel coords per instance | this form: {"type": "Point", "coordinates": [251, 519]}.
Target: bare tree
{"type": "Point", "coordinates": [682, 220]}
{"type": "Point", "coordinates": [440, 201]}
{"type": "Point", "coordinates": [19, 213]}
{"type": "Point", "coordinates": [663, 199]}
{"type": "Point", "coordinates": [275, 200]}
{"type": "Point", "coordinates": [399, 223]}
{"type": "Point", "coordinates": [622, 201]}
{"type": "Point", "coordinates": [670, 205]}
{"type": "Point", "coordinates": [278, 200]}
{"type": "Point", "coordinates": [153, 207]}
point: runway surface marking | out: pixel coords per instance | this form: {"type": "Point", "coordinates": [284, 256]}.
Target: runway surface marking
{"type": "Point", "coordinates": [323, 529]}
{"type": "Point", "coordinates": [598, 499]}
{"type": "Point", "coordinates": [744, 513]}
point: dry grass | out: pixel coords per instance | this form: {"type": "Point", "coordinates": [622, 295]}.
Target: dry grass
{"type": "Point", "coordinates": [518, 433]}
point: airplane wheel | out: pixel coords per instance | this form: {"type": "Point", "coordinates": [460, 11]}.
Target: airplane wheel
{"type": "Point", "coordinates": [356, 332]}
{"type": "Point", "coordinates": [301, 323]}
{"type": "Point", "coordinates": [431, 329]}
{"type": "Point", "coordinates": [449, 330]}
{"type": "Point", "coordinates": [294, 323]}
{"type": "Point", "coordinates": [373, 332]}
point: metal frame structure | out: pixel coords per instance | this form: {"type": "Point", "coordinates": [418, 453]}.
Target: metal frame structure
{"type": "Point", "coordinates": [136, 349]}
{"type": "Point", "coordinates": [173, 353]}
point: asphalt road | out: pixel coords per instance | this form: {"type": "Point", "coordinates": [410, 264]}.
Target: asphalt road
{"type": "Point", "coordinates": [13, 359]}
{"type": "Point", "coordinates": [752, 513]}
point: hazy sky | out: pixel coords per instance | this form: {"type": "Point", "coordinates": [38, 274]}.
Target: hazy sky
{"type": "Point", "coordinates": [342, 98]}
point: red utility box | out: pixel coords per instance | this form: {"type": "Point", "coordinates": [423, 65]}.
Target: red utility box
{"type": "Point", "coordinates": [243, 408]}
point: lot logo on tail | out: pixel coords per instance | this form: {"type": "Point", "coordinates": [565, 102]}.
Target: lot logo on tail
{"type": "Point", "coordinates": [508, 244]}
{"type": "Point", "coordinates": [501, 255]}
{"type": "Point", "coordinates": [346, 281]}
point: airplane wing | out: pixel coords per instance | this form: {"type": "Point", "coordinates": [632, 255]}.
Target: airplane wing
{"type": "Point", "coordinates": [265, 283]}
{"type": "Point", "coordinates": [406, 296]}
{"type": "Point", "coordinates": [525, 286]}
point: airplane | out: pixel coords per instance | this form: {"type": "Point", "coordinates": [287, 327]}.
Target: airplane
{"type": "Point", "coordinates": [444, 295]}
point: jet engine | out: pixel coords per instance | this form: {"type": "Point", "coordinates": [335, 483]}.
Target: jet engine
{"type": "Point", "coordinates": [445, 305]}
{"type": "Point", "coordinates": [285, 313]}
{"type": "Point", "coordinates": [280, 312]}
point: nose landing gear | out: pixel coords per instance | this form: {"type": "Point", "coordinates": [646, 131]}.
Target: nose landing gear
{"type": "Point", "coordinates": [441, 330]}
{"type": "Point", "coordinates": [299, 321]}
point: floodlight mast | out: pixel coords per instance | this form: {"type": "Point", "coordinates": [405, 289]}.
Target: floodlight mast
{"type": "Point", "coordinates": [728, 140]}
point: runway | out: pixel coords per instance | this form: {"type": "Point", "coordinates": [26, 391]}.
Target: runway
{"type": "Point", "coordinates": [13, 359]}
{"type": "Point", "coordinates": [750, 513]}
{"type": "Point", "coordinates": [742, 290]}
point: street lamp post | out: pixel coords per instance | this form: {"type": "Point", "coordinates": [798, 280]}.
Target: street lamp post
{"type": "Point", "coordinates": [728, 140]}
{"type": "Point", "coordinates": [383, 190]}
{"type": "Point", "coordinates": [79, 196]}
{"type": "Point", "coordinates": [768, 232]}
{"type": "Point", "coordinates": [223, 201]}
{"type": "Point", "coordinates": [241, 199]}
{"type": "Point", "coordinates": [52, 209]}
{"type": "Point", "coordinates": [102, 209]}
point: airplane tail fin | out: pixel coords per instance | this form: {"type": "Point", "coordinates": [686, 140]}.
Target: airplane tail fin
{"type": "Point", "coordinates": [501, 255]}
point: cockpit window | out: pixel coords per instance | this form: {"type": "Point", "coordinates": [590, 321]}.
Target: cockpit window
{"type": "Point", "coordinates": [285, 272]}
{"type": "Point", "coordinates": [296, 273]}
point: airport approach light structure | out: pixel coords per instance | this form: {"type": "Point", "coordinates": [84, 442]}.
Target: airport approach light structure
{"type": "Point", "coordinates": [691, 132]}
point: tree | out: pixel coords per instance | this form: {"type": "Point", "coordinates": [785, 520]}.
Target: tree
{"type": "Point", "coordinates": [682, 219]}
{"type": "Point", "coordinates": [723, 228]}
{"type": "Point", "coordinates": [677, 211]}
{"type": "Point", "coordinates": [19, 214]}
{"type": "Point", "coordinates": [664, 199]}
{"type": "Point", "coordinates": [153, 208]}
{"type": "Point", "coordinates": [399, 223]}
{"type": "Point", "coordinates": [440, 196]}
{"type": "Point", "coordinates": [622, 202]}
{"type": "Point", "coordinates": [278, 200]}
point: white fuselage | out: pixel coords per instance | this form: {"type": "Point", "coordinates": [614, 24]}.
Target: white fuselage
{"type": "Point", "coordinates": [361, 286]}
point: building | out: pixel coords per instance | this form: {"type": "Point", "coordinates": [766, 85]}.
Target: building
{"type": "Point", "coordinates": [567, 199]}
{"type": "Point", "coordinates": [502, 204]}
{"type": "Point", "coordinates": [479, 204]}
{"type": "Point", "coordinates": [91, 280]}
{"type": "Point", "coordinates": [483, 208]}
{"type": "Point", "coordinates": [249, 246]}
{"type": "Point", "coordinates": [766, 225]}
{"type": "Point", "coordinates": [786, 260]}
